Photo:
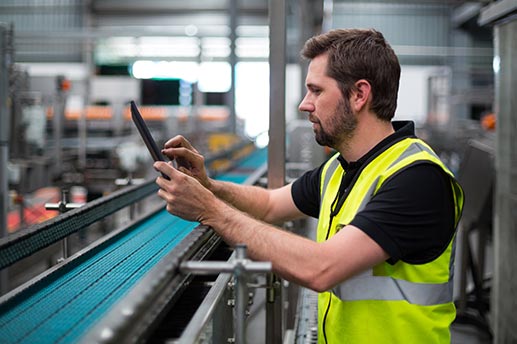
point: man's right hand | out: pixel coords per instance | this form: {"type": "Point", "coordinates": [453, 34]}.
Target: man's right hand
{"type": "Point", "coordinates": [188, 159]}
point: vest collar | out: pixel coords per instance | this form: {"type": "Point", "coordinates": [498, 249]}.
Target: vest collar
{"type": "Point", "coordinates": [403, 129]}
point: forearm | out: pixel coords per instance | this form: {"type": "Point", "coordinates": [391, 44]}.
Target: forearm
{"type": "Point", "coordinates": [249, 199]}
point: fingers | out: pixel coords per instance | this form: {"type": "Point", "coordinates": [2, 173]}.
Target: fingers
{"type": "Point", "coordinates": [165, 168]}
{"type": "Point", "coordinates": [184, 195]}
{"type": "Point", "coordinates": [179, 141]}
{"type": "Point", "coordinates": [175, 175]}
{"type": "Point", "coordinates": [169, 198]}
{"type": "Point", "coordinates": [166, 196]}
{"type": "Point", "coordinates": [188, 162]}
{"type": "Point", "coordinates": [184, 156]}
{"type": "Point", "coordinates": [180, 150]}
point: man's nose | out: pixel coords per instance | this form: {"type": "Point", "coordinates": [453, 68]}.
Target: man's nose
{"type": "Point", "coordinates": [306, 105]}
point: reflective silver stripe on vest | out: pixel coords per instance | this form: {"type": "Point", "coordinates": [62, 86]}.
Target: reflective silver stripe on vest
{"type": "Point", "coordinates": [389, 289]}
{"type": "Point", "coordinates": [368, 195]}
{"type": "Point", "coordinates": [453, 255]}
{"type": "Point", "coordinates": [328, 174]}
{"type": "Point", "coordinates": [412, 149]}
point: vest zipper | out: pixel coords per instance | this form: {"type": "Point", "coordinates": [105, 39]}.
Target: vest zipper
{"type": "Point", "coordinates": [323, 325]}
{"type": "Point", "coordinates": [334, 210]}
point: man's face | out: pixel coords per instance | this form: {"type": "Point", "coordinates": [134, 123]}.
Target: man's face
{"type": "Point", "coordinates": [332, 118]}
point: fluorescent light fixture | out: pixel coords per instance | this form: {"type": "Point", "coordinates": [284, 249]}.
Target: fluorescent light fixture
{"type": "Point", "coordinates": [252, 47]}
{"type": "Point", "coordinates": [183, 70]}
{"type": "Point", "coordinates": [252, 96]}
{"type": "Point", "coordinates": [215, 77]}
{"type": "Point", "coordinates": [215, 47]}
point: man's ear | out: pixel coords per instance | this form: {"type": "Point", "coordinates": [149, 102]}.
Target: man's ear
{"type": "Point", "coordinates": [360, 95]}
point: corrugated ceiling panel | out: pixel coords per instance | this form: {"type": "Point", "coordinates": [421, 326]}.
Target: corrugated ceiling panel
{"type": "Point", "coordinates": [44, 29]}
{"type": "Point", "coordinates": [403, 25]}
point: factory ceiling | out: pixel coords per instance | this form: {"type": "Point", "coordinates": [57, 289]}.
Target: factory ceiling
{"type": "Point", "coordinates": [114, 30]}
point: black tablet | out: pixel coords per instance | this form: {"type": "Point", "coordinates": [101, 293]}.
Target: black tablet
{"type": "Point", "coordinates": [146, 134]}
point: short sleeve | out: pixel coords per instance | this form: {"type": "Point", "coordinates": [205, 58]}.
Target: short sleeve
{"type": "Point", "coordinates": [306, 193]}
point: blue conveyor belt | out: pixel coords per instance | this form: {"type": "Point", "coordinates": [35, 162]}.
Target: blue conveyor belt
{"type": "Point", "coordinates": [234, 177]}
{"type": "Point", "coordinates": [62, 306]}
{"type": "Point", "coordinates": [254, 161]}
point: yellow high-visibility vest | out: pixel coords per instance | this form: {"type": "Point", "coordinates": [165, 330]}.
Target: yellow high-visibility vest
{"type": "Point", "coordinates": [400, 303]}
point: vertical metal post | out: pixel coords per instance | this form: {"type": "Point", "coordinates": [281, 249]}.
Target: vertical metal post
{"type": "Point", "coordinates": [20, 200]}
{"type": "Point", "coordinates": [304, 32]}
{"type": "Point", "coordinates": [132, 207]}
{"type": "Point", "coordinates": [277, 63]}
{"type": "Point", "coordinates": [501, 14]}
{"type": "Point", "coordinates": [276, 149]}
{"type": "Point", "coordinates": [83, 133]}
{"type": "Point", "coordinates": [57, 125]}
{"type": "Point", "coordinates": [328, 8]}
{"type": "Point", "coordinates": [88, 60]}
{"type": "Point", "coordinates": [233, 62]}
{"type": "Point", "coordinates": [241, 295]}
{"type": "Point", "coordinates": [4, 126]}
{"type": "Point", "coordinates": [314, 17]}
{"type": "Point", "coordinates": [5, 60]}
{"type": "Point", "coordinates": [505, 230]}
{"type": "Point", "coordinates": [64, 242]}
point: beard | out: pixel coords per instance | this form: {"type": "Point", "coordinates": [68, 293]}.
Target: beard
{"type": "Point", "coordinates": [341, 126]}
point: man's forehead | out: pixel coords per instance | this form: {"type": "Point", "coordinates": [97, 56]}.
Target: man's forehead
{"type": "Point", "coordinates": [317, 71]}
{"type": "Point", "coordinates": [318, 64]}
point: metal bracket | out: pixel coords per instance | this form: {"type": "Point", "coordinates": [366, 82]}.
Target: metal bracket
{"type": "Point", "coordinates": [241, 267]}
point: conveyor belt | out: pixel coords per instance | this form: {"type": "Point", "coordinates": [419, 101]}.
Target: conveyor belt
{"type": "Point", "coordinates": [63, 305]}
{"type": "Point", "coordinates": [254, 161]}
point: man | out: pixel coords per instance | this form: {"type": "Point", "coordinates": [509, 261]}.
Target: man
{"type": "Point", "coordinates": [387, 206]}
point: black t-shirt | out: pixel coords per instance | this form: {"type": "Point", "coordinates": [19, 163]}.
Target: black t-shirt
{"type": "Point", "coordinates": [412, 215]}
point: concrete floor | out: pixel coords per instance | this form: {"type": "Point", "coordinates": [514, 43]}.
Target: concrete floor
{"type": "Point", "coordinates": [468, 334]}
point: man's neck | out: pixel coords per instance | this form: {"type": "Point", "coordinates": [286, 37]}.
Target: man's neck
{"type": "Point", "coordinates": [369, 132]}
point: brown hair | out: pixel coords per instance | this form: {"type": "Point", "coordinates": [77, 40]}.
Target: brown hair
{"type": "Point", "coordinates": [355, 54]}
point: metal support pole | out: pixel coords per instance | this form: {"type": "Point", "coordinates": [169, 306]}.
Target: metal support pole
{"type": "Point", "coordinates": [4, 139]}
{"type": "Point", "coordinates": [233, 62]}
{"type": "Point", "coordinates": [57, 125]}
{"type": "Point", "coordinates": [20, 201]}
{"type": "Point", "coordinates": [277, 63]}
{"type": "Point", "coordinates": [4, 126]}
{"type": "Point", "coordinates": [83, 135]}
{"type": "Point", "coordinates": [130, 180]}
{"type": "Point", "coordinates": [505, 229]}
{"type": "Point", "coordinates": [64, 248]}
{"type": "Point", "coordinates": [88, 60]}
{"type": "Point", "coordinates": [276, 149]}
{"type": "Point", "coordinates": [241, 295]}
{"type": "Point", "coordinates": [63, 206]}
{"type": "Point", "coordinates": [241, 267]}
{"type": "Point", "coordinates": [501, 14]}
